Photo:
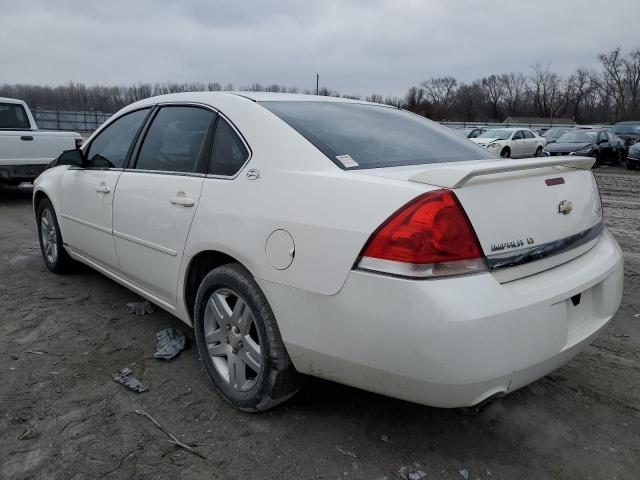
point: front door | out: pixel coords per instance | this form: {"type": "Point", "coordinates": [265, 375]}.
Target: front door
{"type": "Point", "coordinates": [518, 147]}
{"type": "Point", "coordinates": [87, 193]}
{"type": "Point", "coordinates": [157, 198]}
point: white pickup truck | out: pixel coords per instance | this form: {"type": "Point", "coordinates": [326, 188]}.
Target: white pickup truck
{"type": "Point", "coordinates": [26, 151]}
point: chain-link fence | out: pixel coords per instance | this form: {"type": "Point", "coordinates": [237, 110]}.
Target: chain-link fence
{"type": "Point", "coordinates": [84, 122]}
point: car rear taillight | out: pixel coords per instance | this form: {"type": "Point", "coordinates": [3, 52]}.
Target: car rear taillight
{"type": "Point", "coordinates": [429, 237]}
{"type": "Point", "coordinates": [599, 210]}
{"type": "Point", "coordinates": [78, 142]}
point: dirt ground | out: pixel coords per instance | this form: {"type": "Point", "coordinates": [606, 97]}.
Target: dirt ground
{"type": "Point", "coordinates": [63, 417]}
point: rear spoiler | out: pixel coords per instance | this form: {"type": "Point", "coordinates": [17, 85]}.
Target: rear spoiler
{"type": "Point", "coordinates": [455, 175]}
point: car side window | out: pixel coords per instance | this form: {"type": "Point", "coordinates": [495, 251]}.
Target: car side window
{"type": "Point", "coordinates": [602, 137]}
{"type": "Point", "coordinates": [527, 134]}
{"type": "Point", "coordinates": [177, 140]}
{"type": "Point", "coordinates": [517, 135]}
{"type": "Point", "coordinates": [229, 153]}
{"type": "Point", "coordinates": [110, 149]}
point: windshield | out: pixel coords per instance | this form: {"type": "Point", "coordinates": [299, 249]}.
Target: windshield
{"type": "Point", "coordinates": [633, 128]}
{"type": "Point", "coordinates": [579, 137]}
{"type": "Point", "coordinates": [499, 133]}
{"type": "Point", "coordinates": [555, 132]}
{"type": "Point", "coordinates": [358, 136]}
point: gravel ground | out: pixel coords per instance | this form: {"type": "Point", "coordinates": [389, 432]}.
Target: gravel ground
{"type": "Point", "coordinates": [61, 415]}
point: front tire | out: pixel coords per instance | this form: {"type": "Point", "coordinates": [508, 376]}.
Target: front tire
{"type": "Point", "coordinates": [506, 152]}
{"type": "Point", "coordinates": [538, 152]}
{"type": "Point", "coordinates": [239, 341]}
{"type": "Point", "coordinates": [54, 255]}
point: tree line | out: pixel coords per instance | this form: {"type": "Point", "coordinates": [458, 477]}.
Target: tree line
{"type": "Point", "coordinates": [608, 92]}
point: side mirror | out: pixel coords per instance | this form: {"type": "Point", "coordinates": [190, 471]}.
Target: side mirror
{"type": "Point", "coordinates": [74, 158]}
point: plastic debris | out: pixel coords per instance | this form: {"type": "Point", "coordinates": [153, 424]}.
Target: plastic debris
{"type": "Point", "coordinates": [384, 438]}
{"type": "Point", "coordinates": [412, 472]}
{"type": "Point", "coordinates": [169, 343]}
{"type": "Point", "coordinates": [140, 308]}
{"type": "Point", "coordinates": [36, 352]}
{"type": "Point", "coordinates": [464, 473]}
{"type": "Point", "coordinates": [125, 377]}
{"type": "Point", "coordinates": [346, 452]}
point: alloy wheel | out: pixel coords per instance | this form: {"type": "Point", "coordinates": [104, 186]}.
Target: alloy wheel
{"type": "Point", "coordinates": [232, 339]}
{"type": "Point", "coordinates": [49, 236]}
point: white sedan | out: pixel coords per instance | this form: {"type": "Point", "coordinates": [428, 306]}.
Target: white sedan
{"type": "Point", "coordinates": [337, 238]}
{"type": "Point", "coordinates": [512, 142]}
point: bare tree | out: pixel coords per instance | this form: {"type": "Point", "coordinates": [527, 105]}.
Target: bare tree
{"type": "Point", "coordinates": [440, 90]}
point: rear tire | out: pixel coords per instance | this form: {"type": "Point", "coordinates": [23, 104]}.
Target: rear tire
{"type": "Point", "coordinates": [54, 255]}
{"type": "Point", "coordinates": [506, 152]}
{"type": "Point", "coordinates": [538, 152]}
{"type": "Point", "coordinates": [239, 341]}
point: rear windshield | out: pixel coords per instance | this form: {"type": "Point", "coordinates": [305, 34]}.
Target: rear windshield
{"type": "Point", "coordinates": [356, 136]}
{"type": "Point", "coordinates": [13, 116]}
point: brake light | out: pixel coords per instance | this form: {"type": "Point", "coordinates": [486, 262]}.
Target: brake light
{"type": "Point", "coordinates": [429, 237]}
{"type": "Point", "coordinates": [78, 142]}
{"type": "Point", "coordinates": [599, 210]}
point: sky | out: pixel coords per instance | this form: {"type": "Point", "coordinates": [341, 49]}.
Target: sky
{"type": "Point", "coordinates": [357, 46]}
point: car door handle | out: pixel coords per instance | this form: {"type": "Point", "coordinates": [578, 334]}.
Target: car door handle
{"type": "Point", "coordinates": [26, 138]}
{"type": "Point", "coordinates": [102, 189]}
{"type": "Point", "coordinates": [183, 200]}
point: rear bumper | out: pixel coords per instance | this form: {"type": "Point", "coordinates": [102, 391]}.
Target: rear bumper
{"type": "Point", "coordinates": [450, 342]}
{"type": "Point", "coordinates": [20, 173]}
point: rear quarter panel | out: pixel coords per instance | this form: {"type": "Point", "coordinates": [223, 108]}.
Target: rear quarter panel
{"type": "Point", "coordinates": [330, 213]}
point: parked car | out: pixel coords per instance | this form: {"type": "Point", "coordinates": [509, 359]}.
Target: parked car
{"type": "Point", "coordinates": [343, 239]}
{"type": "Point", "coordinates": [512, 142]}
{"type": "Point", "coordinates": [470, 132]}
{"type": "Point", "coordinates": [628, 131]}
{"type": "Point", "coordinates": [553, 134]}
{"type": "Point", "coordinates": [601, 144]}
{"type": "Point", "coordinates": [25, 151]}
{"type": "Point", "coordinates": [633, 156]}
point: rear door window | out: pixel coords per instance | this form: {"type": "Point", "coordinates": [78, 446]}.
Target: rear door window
{"type": "Point", "coordinates": [177, 140]}
{"type": "Point", "coordinates": [357, 136]}
{"type": "Point", "coordinates": [229, 153]}
{"type": "Point", "coordinates": [110, 149]}
{"type": "Point", "coordinates": [527, 134]}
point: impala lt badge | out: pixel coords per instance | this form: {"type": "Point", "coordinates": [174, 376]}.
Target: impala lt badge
{"type": "Point", "coordinates": [565, 207]}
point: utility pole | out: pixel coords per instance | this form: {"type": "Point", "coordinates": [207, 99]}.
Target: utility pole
{"type": "Point", "coordinates": [317, 83]}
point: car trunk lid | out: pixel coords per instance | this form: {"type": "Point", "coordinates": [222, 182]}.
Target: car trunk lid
{"type": "Point", "coordinates": [529, 215]}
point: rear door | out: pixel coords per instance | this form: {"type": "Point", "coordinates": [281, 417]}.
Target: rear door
{"type": "Point", "coordinates": [157, 197]}
{"type": "Point", "coordinates": [86, 196]}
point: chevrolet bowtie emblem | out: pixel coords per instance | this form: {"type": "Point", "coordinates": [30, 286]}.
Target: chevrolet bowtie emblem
{"type": "Point", "coordinates": [565, 207]}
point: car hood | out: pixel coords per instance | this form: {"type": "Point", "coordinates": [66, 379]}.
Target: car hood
{"type": "Point", "coordinates": [567, 147]}
{"type": "Point", "coordinates": [484, 140]}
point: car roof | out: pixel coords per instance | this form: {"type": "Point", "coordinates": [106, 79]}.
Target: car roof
{"type": "Point", "coordinates": [214, 98]}
{"type": "Point", "coordinates": [509, 128]}
{"type": "Point", "coordinates": [629, 122]}
{"type": "Point", "coordinates": [11, 100]}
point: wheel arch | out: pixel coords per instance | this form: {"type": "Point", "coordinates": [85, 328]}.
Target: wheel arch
{"type": "Point", "coordinates": [199, 266]}
{"type": "Point", "coordinates": [38, 196]}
